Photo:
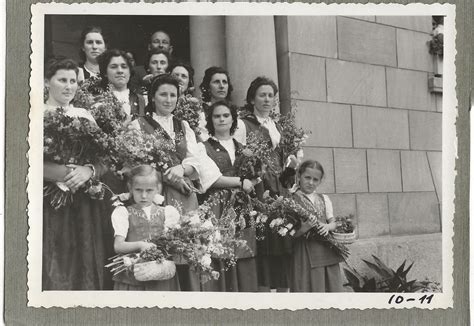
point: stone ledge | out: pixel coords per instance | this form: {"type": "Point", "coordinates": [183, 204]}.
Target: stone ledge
{"type": "Point", "coordinates": [424, 250]}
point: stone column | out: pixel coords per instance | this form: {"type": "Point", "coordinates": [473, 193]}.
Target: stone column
{"type": "Point", "coordinates": [207, 36]}
{"type": "Point", "coordinates": [250, 52]}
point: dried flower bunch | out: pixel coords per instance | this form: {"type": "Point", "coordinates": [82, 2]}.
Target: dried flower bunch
{"type": "Point", "coordinates": [187, 109]}
{"type": "Point", "coordinates": [72, 140]}
{"type": "Point", "coordinates": [285, 218]}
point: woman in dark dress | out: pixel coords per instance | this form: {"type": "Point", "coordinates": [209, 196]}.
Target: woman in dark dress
{"type": "Point", "coordinates": [193, 162]}
{"type": "Point", "coordinates": [274, 252]}
{"type": "Point", "coordinates": [225, 151]}
{"type": "Point", "coordinates": [74, 252]}
{"type": "Point", "coordinates": [93, 44]}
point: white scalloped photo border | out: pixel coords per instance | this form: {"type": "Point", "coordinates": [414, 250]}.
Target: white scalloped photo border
{"type": "Point", "coordinates": [290, 301]}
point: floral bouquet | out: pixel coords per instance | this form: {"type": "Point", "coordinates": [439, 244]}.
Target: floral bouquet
{"type": "Point", "coordinates": [187, 109]}
{"type": "Point", "coordinates": [292, 136]}
{"type": "Point", "coordinates": [134, 147]}
{"type": "Point", "coordinates": [255, 157]}
{"type": "Point", "coordinates": [72, 140]}
{"type": "Point", "coordinates": [286, 218]}
{"type": "Point", "coordinates": [102, 104]}
{"type": "Point", "coordinates": [192, 238]}
{"type": "Point", "coordinates": [238, 211]}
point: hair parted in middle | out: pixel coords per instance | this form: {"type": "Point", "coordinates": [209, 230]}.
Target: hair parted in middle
{"type": "Point", "coordinates": [144, 171]}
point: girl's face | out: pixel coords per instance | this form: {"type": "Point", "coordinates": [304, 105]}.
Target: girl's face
{"type": "Point", "coordinates": [93, 46]}
{"type": "Point", "coordinates": [165, 99]}
{"type": "Point", "coordinates": [219, 86]}
{"type": "Point", "coordinates": [222, 119]}
{"type": "Point", "coordinates": [62, 87]}
{"type": "Point", "coordinates": [158, 64]}
{"type": "Point", "coordinates": [264, 100]}
{"type": "Point", "coordinates": [143, 190]}
{"type": "Point", "coordinates": [118, 72]}
{"type": "Point", "coordinates": [183, 76]}
{"type": "Point", "coordinates": [310, 179]}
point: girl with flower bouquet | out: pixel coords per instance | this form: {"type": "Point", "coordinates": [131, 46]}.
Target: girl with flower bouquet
{"type": "Point", "coordinates": [274, 252]}
{"type": "Point", "coordinates": [227, 201]}
{"type": "Point", "coordinates": [73, 243]}
{"type": "Point", "coordinates": [315, 266]}
{"type": "Point", "coordinates": [138, 222]}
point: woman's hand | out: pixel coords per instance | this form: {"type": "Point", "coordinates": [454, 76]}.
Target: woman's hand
{"type": "Point", "coordinates": [146, 245]}
{"type": "Point", "coordinates": [78, 176]}
{"type": "Point", "coordinates": [291, 162]}
{"type": "Point", "coordinates": [247, 185]}
{"type": "Point", "coordinates": [324, 229]}
{"type": "Point", "coordinates": [175, 173]}
{"type": "Point", "coordinates": [148, 77]}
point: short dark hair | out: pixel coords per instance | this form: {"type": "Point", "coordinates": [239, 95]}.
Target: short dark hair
{"type": "Point", "coordinates": [104, 60]}
{"type": "Point", "coordinates": [189, 69]}
{"type": "Point", "coordinates": [233, 112]}
{"type": "Point", "coordinates": [310, 164]}
{"type": "Point", "coordinates": [254, 86]}
{"type": "Point", "coordinates": [206, 81]}
{"type": "Point", "coordinates": [157, 51]}
{"type": "Point", "coordinates": [85, 31]}
{"type": "Point", "coordinates": [58, 63]}
{"type": "Point", "coordinates": [163, 79]}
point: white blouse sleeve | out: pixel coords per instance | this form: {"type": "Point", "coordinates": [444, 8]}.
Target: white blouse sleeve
{"type": "Point", "coordinates": [120, 221]}
{"type": "Point", "coordinates": [240, 133]}
{"type": "Point", "coordinates": [196, 156]}
{"type": "Point", "coordinates": [329, 209]}
{"type": "Point", "coordinates": [192, 150]}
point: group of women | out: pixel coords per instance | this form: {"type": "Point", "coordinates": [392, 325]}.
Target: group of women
{"type": "Point", "coordinates": [78, 238]}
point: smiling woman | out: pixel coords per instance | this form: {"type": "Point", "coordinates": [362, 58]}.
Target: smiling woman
{"type": "Point", "coordinates": [115, 70]}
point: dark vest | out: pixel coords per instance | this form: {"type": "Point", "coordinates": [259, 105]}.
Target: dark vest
{"type": "Point", "coordinates": [219, 155]}
{"type": "Point", "coordinates": [149, 125]}
{"type": "Point", "coordinates": [140, 229]}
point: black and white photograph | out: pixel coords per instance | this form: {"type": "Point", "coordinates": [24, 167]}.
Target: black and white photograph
{"type": "Point", "coordinates": [241, 156]}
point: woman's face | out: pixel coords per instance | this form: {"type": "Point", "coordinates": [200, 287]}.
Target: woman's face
{"type": "Point", "coordinates": [222, 120]}
{"type": "Point", "coordinates": [158, 64]}
{"type": "Point", "coordinates": [310, 179]}
{"type": "Point", "coordinates": [264, 100]}
{"type": "Point", "coordinates": [183, 77]}
{"type": "Point", "coordinates": [62, 87]}
{"type": "Point", "coordinates": [165, 99]}
{"type": "Point", "coordinates": [219, 86]}
{"type": "Point", "coordinates": [93, 46]}
{"type": "Point", "coordinates": [118, 72]}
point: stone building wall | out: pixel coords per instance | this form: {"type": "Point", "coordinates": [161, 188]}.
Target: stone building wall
{"type": "Point", "coordinates": [360, 84]}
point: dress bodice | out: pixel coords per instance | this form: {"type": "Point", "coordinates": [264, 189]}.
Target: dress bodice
{"type": "Point", "coordinates": [140, 228]}
{"type": "Point", "coordinates": [221, 157]}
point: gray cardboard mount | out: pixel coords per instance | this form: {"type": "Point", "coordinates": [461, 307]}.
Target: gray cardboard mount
{"type": "Point", "coordinates": [16, 120]}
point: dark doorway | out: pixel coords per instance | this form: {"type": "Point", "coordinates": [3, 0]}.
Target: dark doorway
{"type": "Point", "coordinates": [131, 33]}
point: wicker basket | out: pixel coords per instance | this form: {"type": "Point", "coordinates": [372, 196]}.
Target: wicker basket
{"type": "Point", "coordinates": [345, 238]}
{"type": "Point", "coordinates": [154, 271]}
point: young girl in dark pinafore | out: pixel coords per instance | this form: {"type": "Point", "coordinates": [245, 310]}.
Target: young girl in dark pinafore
{"type": "Point", "coordinates": [138, 222]}
{"type": "Point", "coordinates": [315, 267]}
